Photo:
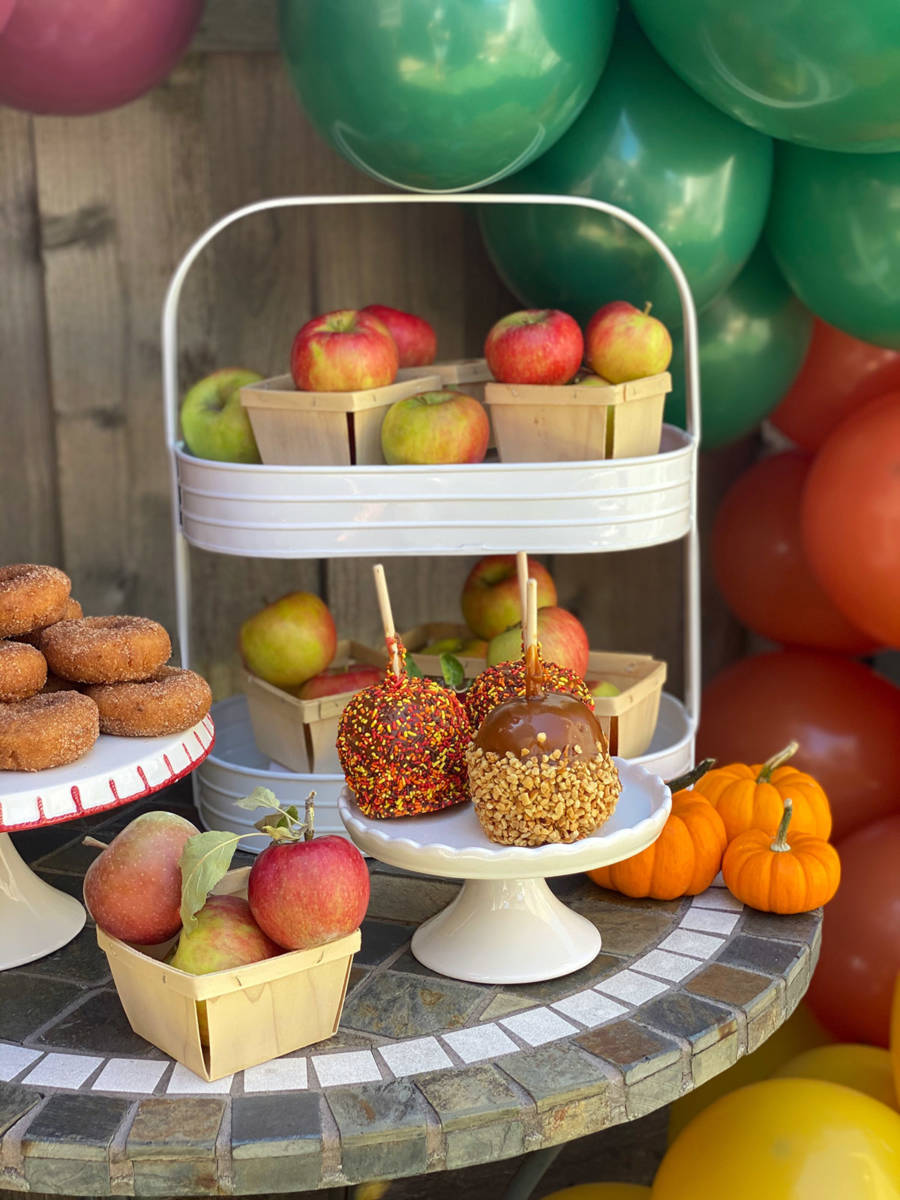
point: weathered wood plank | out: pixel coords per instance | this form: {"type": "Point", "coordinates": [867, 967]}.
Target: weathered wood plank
{"type": "Point", "coordinates": [242, 25]}
{"type": "Point", "coordinates": [29, 531]}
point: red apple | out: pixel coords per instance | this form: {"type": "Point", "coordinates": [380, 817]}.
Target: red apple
{"type": "Point", "coordinates": [224, 936]}
{"type": "Point", "coordinates": [562, 637]}
{"type": "Point", "coordinates": [537, 345]}
{"type": "Point", "coordinates": [289, 641]}
{"type": "Point", "coordinates": [339, 680]}
{"type": "Point", "coordinates": [343, 351]}
{"type": "Point", "coordinates": [133, 888]}
{"type": "Point", "coordinates": [435, 427]}
{"type": "Point", "coordinates": [306, 893]}
{"type": "Point", "coordinates": [623, 343]}
{"type": "Point", "coordinates": [415, 337]}
{"type": "Point", "coordinates": [490, 595]}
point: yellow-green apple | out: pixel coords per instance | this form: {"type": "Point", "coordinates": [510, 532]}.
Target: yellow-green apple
{"type": "Point", "coordinates": [447, 645]}
{"type": "Point", "coordinates": [343, 351]}
{"type": "Point", "coordinates": [474, 648]}
{"type": "Point", "coordinates": [435, 427]}
{"type": "Point", "coordinates": [133, 888]}
{"type": "Point", "coordinates": [623, 343]}
{"type": "Point", "coordinates": [537, 345]}
{"type": "Point", "coordinates": [289, 641]}
{"type": "Point", "coordinates": [337, 681]}
{"type": "Point", "coordinates": [490, 596]}
{"type": "Point", "coordinates": [562, 637]}
{"type": "Point", "coordinates": [306, 893]}
{"type": "Point", "coordinates": [214, 423]}
{"type": "Point", "coordinates": [415, 337]}
{"type": "Point", "coordinates": [604, 688]}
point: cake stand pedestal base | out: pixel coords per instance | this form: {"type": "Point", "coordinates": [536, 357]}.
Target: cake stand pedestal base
{"type": "Point", "coordinates": [506, 931]}
{"type": "Point", "coordinates": [35, 918]}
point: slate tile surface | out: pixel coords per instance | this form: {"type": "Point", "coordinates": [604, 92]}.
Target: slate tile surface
{"type": "Point", "coordinates": [70, 1126]}
{"type": "Point", "coordinates": [625, 931]}
{"type": "Point", "coordinates": [464, 1097]}
{"type": "Point", "coordinates": [687, 1016]}
{"type": "Point", "coordinates": [380, 939]}
{"type": "Point", "coordinates": [98, 1026]}
{"type": "Point", "coordinates": [72, 885]}
{"type": "Point", "coordinates": [555, 1074]}
{"type": "Point", "coordinates": [382, 1128]}
{"type": "Point", "coordinates": [395, 1004]}
{"type": "Point", "coordinates": [730, 985]}
{"type": "Point", "coordinates": [27, 1002]}
{"type": "Point", "coordinates": [758, 954]}
{"type": "Point", "coordinates": [15, 1102]}
{"type": "Point", "coordinates": [82, 961]}
{"type": "Point", "coordinates": [799, 928]}
{"type": "Point", "coordinates": [634, 1049]}
{"type": "Point", "coordinates": [276, 1125]}
{"type": "Point", "coordinates": [185, 1128]}
{"type": "Point", "coordinates": [554, 989]}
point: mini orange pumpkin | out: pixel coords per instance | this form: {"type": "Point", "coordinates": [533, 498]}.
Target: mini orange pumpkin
{"type": "Point", "coordinates": [752, 797]}
{"type": "Point", "coordinates": [684, 859]}
{"type": "Point", "coordinates": [777, 877]}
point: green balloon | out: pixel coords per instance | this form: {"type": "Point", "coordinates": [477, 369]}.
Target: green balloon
{"type": "Point", "coordinates": [753, 340]}
{"type": "Point", "coordinates": [444, 95]}
{"type": "Point", "coordinates": [834, 228]}
{"type": "Point", "coordinates": [649, 144]}
{"type": "Point", "coordinates": [820, 73]}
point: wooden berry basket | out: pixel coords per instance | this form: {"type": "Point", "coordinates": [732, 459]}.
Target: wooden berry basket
{"type": "Point", "coordinates": [301, 734]}
{"type": "Point", "coordinates": [430, 664]}
{"type": "Point", "coordinates": [296, 428]}
{"type": "Point", "coordinates": [575, 423]}
{"type": "Point", "coordinates": [253, 1013]}
{"type": "Point", "coordinates": [629, 719]}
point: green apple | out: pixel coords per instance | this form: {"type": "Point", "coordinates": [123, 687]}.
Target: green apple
{"type": "Point", "coordinates": [562, 637]}
{"type": "Point", "coordinates": [447, 645]}
{"type": "Point", "coordinates": [289, 641]}
{"type": "Point", "coordinates": [605, 688]}
{"type": "Point", "coordinates": [213, 421]}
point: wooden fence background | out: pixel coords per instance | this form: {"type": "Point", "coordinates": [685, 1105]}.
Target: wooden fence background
{"type": "Point", "coordinates": [95, 212]}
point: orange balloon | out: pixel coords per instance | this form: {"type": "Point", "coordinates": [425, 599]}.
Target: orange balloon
{"type": "Point", "coordinates": [845, 717]}
{"type": "Point", "coordinates": [895, 1039]}
{"type": "Point", "coordinates": [760, 566]}
{"type": "Point", "coordinates": [851, 518]}
{"type": "Point", "coordinates": [839, 374]}
{"type": "Point", "coordinates": [853, 984]}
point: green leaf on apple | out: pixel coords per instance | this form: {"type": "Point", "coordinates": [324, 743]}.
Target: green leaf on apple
{"type": "Point", "coordinates": [260, 797]}
{"type": "Point", "coordinates": [204, 862]}
{"type": "Point", "coordinates": [412, 668]}
{"type": "Point", "coordinates": [452, 670]}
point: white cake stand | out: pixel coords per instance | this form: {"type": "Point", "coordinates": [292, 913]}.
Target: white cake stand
{"type": "Point", "coordinates": [506, 926]}
{"type": "Point", "coordinates": [35, 918]}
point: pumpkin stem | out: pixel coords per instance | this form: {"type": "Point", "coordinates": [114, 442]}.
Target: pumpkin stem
{"type": "Point", "coordinates": [777, 760]}
{"type": "Point", "coordinates": [780, 844]}
{"type": "Point", "coordinates": [689, 778]}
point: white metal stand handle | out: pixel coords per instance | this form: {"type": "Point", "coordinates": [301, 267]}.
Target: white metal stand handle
{"type": "Point", "coordinates": [691, 372]}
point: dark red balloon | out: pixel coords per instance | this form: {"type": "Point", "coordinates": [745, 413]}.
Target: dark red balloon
{"type": "Point", "coordinates": [840, 373]}
{"type": "Point", "coordinates": [760, 565]}
{"type": "Point", "coordinates": [845, 717]}
{"type": "Point", "coordinates": [853, 984]}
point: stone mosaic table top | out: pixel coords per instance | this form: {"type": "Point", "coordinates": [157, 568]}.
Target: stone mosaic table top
{"type": "Point", "coordinates": [425, 1073]}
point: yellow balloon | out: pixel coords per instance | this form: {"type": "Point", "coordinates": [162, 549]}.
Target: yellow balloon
{"type": "Point", "coordinates": [895, 1038]}
{"type": "Point", "coordinates": [801, 1031]}
{"type": "Point", "coordinates": [864, 1068]}
{"type": "Point", "coordinates": [786, 1139]}
{"type": "Point", "coordinates": [603, 1191]}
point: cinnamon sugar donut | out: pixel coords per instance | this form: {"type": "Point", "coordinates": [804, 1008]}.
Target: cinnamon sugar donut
{"type": "Point", "coordinates": [31, 596]}
{"type": "Point", "coordinates": [105, 649]}
{"type": "Point", "coordinates": [169, 702]}
{"type": "Point", "coordinates": [23, 671]}
{"type": "Point", "coordinates": [71, 612]}
{"type": "Point", "coordinates": [47, 731]}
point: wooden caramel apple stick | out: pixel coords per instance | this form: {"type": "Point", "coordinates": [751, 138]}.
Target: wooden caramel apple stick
{"type": "Point", "coordinates": [387, 618]}
{"type": "Point", "coordinates": [533, 672]}
{"type": "Point", "coordinates": [522, 572]}
{"type": "Point", "coordinates": [531, 610]}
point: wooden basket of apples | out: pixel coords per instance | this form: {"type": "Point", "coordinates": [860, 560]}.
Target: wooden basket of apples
{"type": "Point", "coordinates": [546, 407]}
{"type": "Point", "coordinates": [427, 644]}
{"type": "Point", "coordinates": [344, 378]}
{"type": "Point", "coordinates": [220, 969]}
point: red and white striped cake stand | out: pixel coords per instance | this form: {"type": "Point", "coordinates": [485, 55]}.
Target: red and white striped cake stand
{"type": "Point", "coordinates": [36, 919]}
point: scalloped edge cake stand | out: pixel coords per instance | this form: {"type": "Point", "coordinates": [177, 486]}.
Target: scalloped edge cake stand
{"type": "Point", "coordinates": [35, 918]}
{"type": "Point", "coordinates": [505, 925]}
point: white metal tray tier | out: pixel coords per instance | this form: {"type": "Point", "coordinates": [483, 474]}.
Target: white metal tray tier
{"type": "Point", "coordinates": [35, 918]}
{"type": "Point", "coordinates": [327, 512]}
{"type": "Point", "coordinates": [505, 925]}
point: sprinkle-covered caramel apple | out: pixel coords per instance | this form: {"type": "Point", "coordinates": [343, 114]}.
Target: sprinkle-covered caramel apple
{"type": "Point", "coordinates": [402, 742]}
{"type": "Point", "coordinates": [507, 680]}
{"type": "Point", "coordinates": [539, 768]}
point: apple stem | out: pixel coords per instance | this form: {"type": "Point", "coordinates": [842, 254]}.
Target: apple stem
{"type": "Point", "coordinates": [647, 307]}
{"type": "Point", "coordinates": [92, 841]}
{"type": "Point", "coordinates": [310, 818]}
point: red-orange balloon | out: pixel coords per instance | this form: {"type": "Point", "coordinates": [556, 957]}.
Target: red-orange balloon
{"type": "Point", "coordinates": [839, 374]}
{"type": "Point", "coordinates": [851, 518]}
{"type": "Point", "coordinates": [760, 566]}
{"type": "Point", "coordinates": [853, 984]}
{"type": "Point", "coordinates": [845, 717]}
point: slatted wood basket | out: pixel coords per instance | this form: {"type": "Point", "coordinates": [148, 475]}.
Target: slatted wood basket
{"type": "Point", "coordinates": [629, 719]}
{"type": "Point", "coordinates": [252, 1014]}
{"type": "Point", "coordinates": [577, 422]}
{"type": "Point", "coordinates": [296, 428]}
{"type": "Point", "coordinates": [301, 734]}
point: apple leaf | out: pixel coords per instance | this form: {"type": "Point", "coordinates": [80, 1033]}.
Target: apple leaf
{"type": "Point", "coordinates": [412, 668]}
{"type": "Point", "coordinates": [260, 797]}
{"type": "Point", "coordinates": [204, 860]}
{"type": "Point", "coordinates": [452, 669]}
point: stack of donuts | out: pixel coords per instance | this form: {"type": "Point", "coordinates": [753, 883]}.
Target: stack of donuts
{"type": "Point", "coordinates": [66, 678]}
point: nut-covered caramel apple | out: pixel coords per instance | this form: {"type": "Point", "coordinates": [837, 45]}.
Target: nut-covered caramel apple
{"type": "Point", "coordinates": [539, 768]}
